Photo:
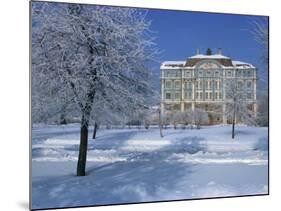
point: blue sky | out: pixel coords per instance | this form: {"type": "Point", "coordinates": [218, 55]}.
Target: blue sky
{"type": "Point", "coordinates": [179, 33]}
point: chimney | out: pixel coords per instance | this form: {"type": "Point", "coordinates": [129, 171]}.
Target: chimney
{"type": "Point", "coordinates": [219, 51]}
{"type": "Point", "coordinates": [197, 51]}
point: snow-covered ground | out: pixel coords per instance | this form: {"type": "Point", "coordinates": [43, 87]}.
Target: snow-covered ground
{"type": "Point", "coordinates": [136, 165]}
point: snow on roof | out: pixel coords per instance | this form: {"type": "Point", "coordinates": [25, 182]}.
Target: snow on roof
{"type": "Point", "coordinates": [182, 64]}
{"type": "Point", "coordinates": [214, 56]}
{"type": "Point", "coordinates": [172, 64]}
{"type": "Point", "coordinates": [242, 64]}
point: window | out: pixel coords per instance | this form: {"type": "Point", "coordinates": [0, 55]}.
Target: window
{"type": "Point", "coordinates": [177, 84]}
{"type": "Point", "coordinates": [249, 95]}
{"type": "Point", "coordinates": [239, 73]}
{"type": "Point", "coordinates": [199, 84]}
{"type": "Point", "coordinates": [248, 73]}
{"type": "Point", "coordinates": [216, 85]}
{"type": "Point", "coordinates": [197, 95]}
{"type": "Point", "coordinates": [211, 95]}
{"type": "Point", "coordinates": [172, 73]}
{"type": "Point", "coordinates": [216, 95]}
{"type": "Point", "coordinates": [190, 84]}
{"type": "Point", "coordinates": [217, 74]}
{"type": "Point", "coordinates": [208, 73]}
{"type": "Point", "coordinates": [201, 95]}
{"type": "Point", "coordinates": [206, 95]}
{"type": "Point", "coordinates": [169, 73]}
{"type": "Point", "coordinates": [206, 84]}
{"type": "Point", "coordinates": [187, 74]}
{"type": "Point", "coordinates": [168, 84]}
{"type": "Point", "coordinates": [249, 84]}
{"type": "Point", "coordinates": [200, 73]}
{"type": "Point", "coordinates": [168, 96]}
{"type": "Point", "coordinates": [240, 84]}
{"type": "Point", "coordinates": [188, 95]}
{"type": "Point", "coordinates": [177, 95]}
{"type": "Point", "coordinates": [220, 95]}
{"type": "Point", "coordinates": [229, 73]}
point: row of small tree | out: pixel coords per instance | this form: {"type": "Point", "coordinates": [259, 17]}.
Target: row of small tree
{"type": "Point", "coordinates": [195, 117]}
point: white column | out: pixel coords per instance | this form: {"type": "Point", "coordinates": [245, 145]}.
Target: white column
{"type": "Point", "coordinates": [193, 95]}
{"type": "Point", "coordinates": [182, 90]}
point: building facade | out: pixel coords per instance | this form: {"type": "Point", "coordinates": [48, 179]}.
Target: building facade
{"type": "Point", "coordinates": [199, 82]}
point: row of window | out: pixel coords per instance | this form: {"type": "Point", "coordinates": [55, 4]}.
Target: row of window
{"type": "Point", "coordinates": [208, 73]}
{"type": "Point", "coordinates": [199, 95]}
{"type": "Point", "coordinates": [207, 84]}
{"type": "Point", "coordinates": [172, 73]}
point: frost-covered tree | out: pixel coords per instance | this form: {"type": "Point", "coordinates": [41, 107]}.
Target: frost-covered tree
{"type": "Point", "coordinates": [263, 108]}
{"type": "Point", "coordinates": [237, 106]}
{"type": "Point", "coordinates": [199, 116]}
{"type": "Point", "coordinates": [90, 51]}
{"type": "Point", "coordinates": [161, 122]}
{"type": "Point", "coordinates": [196, 117]}
{"type": "Point", "coordinates": [260, 31]}
{"type": "Point", "coordinates": [175, 118]}
{"type": "Point", "coordinates": [50, 104]}
{"type": "Point", "coordinates": [187, 116]}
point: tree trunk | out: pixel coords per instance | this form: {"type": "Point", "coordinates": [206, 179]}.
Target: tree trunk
{"type": "Point", "coordinates": [95, 130]}
{"type": "Point", "coordinates": [233, 125]}
{"type": "Point", "coordinates": [81, 166]}
{"type": "Point", "coordinates": [160, 125]}
{"type": "Point", "coordinates": [62, 119]}
{"type": "Point", "coordinates": [86, 112]}
{"type": "Point", "coordinates": [161, 132]}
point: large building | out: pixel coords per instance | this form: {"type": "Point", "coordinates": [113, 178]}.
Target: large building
{"type": "Point", "coordinates": [199, 81]}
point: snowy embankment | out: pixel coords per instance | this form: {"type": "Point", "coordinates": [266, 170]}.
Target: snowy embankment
{"type": "Point", "coordinates": [135, 165]}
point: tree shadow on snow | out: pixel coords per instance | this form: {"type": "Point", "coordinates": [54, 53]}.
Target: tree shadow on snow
{"type": "Point", "coordinates": [144, 176]}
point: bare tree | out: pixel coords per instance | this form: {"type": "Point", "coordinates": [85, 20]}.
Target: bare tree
{"type": "Point", "coordinates": [237, 107]}
{"type": "Point", "coordinates": [89, 51]}
{"type": "Point", "coordinates": [260, 32]}
{"type": "Point", "coordinates": [160, 123]}
{"type": "Point", "coordinates": [200, 116]}
{"type": "Point", "coordinates": [175, 118]}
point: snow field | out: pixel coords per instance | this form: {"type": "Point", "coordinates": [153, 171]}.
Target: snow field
{"type": "Point", "coordinates": [136, 165]}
